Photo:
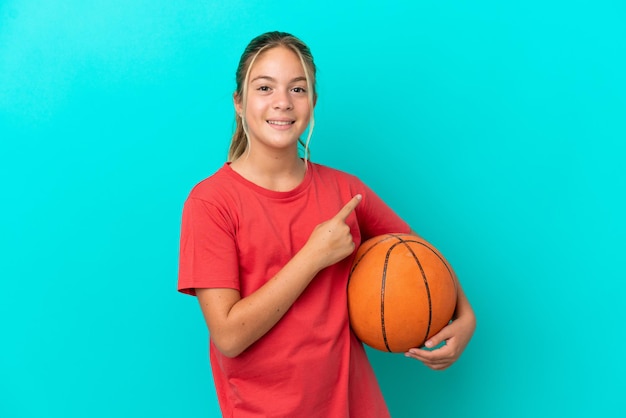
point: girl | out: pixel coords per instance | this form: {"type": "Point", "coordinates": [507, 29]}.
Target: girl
{"type": "Point", "coordinates": [266, 246]}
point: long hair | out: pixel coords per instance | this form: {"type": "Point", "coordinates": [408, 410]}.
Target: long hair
{"type": "Point", "coordinates": [240, 141]}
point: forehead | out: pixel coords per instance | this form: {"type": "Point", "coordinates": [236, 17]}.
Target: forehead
{"type": "Point", "coordinates": [277, 61]}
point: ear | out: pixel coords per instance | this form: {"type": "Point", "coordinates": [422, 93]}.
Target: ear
{"type": "Point", "coordinates": [237, 103]}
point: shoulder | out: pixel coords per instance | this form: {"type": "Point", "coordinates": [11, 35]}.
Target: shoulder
{"type": "Point", "coordinates": [217, 194]}
{"type": "Point", "coordinates": [213, 201]}
{"type": "Point", "coordinates": [212, 186]}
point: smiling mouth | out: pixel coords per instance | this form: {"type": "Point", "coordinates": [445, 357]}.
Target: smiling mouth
{"type": "Point", "coordinates": [281, 122]}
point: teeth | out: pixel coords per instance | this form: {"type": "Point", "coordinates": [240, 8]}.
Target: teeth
{"type": "Point", "coordinates": [276, 122]}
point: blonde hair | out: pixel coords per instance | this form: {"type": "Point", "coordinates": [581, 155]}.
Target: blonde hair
{"type": "Point", "coordinates": [240, 141]}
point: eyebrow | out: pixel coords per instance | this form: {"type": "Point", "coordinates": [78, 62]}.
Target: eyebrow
{"type": "Point", "coordinates": [268, 78]}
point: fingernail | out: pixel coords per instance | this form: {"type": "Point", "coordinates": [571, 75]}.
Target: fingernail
{"type": "Point", "coordinates": [429, 344]}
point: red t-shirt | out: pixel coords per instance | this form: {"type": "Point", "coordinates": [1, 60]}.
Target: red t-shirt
{"type": "Point", "coordinates": [238, 235]}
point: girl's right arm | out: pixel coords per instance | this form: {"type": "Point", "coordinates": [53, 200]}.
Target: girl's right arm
{"type": "Point", "coordinates": [235, 323]}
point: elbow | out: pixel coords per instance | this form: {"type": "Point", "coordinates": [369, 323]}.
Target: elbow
{"type": "Point", "coordinates": [228, 347]}
{"type": "Point", "coordinates": [230, 353]}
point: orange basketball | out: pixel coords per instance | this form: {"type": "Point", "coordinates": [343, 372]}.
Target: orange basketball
{"type": "Point", "coordinates": [401, 291]}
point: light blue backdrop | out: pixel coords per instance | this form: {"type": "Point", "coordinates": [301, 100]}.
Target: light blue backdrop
{"type": "Point", "coordinates": [496, 129]}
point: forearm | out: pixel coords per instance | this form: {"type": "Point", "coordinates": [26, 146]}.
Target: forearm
{"type": "Point", "coordinates": [463, 306]}
{"type": "Point", "coordinates": [253, 316]}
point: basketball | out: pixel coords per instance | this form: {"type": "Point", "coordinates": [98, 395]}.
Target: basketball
{"type": "Point", "coordinates": [401, 291]}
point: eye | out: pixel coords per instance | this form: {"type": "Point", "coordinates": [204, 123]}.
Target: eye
{"type": "Point", "coordinates": [263, 88]}
{"type": "Point", "coordinates": [299, 90]}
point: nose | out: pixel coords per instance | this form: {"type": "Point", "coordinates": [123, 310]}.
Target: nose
{"type": "Point", "coordinates": [282, 100]}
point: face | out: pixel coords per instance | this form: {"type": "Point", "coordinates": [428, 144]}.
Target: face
{"type": "Point", "coordinates": [278, 109]}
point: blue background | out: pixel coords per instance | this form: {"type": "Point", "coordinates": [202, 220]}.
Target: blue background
{"type": "Point", "coordinates": [496, 129]}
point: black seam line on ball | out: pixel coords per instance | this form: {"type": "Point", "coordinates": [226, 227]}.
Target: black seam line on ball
{"type": "Point", "coordinates": [444, 262]}
{"type": "Point", "coordinates": [382, 292]}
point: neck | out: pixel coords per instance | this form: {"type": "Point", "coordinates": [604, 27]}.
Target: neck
{"type": "Point", "coordinates": [278, 173]}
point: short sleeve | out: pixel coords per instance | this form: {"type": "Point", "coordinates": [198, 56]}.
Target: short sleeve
{"type": "Point", "coordinates": [208, 249]}
{"type": "Point", "coordinates": [376, 217]}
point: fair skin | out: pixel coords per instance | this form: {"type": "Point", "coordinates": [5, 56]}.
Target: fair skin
{"type": "Point", "coordinates": [277, 113]}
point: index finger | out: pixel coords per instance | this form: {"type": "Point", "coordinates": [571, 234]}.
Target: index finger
{"type": "Point", "coordinates": [348, 208]}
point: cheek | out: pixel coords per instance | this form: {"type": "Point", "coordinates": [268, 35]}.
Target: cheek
{"type": "Point", "coordinates": [256, 107]}
{"type": "Point", "coordinates": [304, 105]}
